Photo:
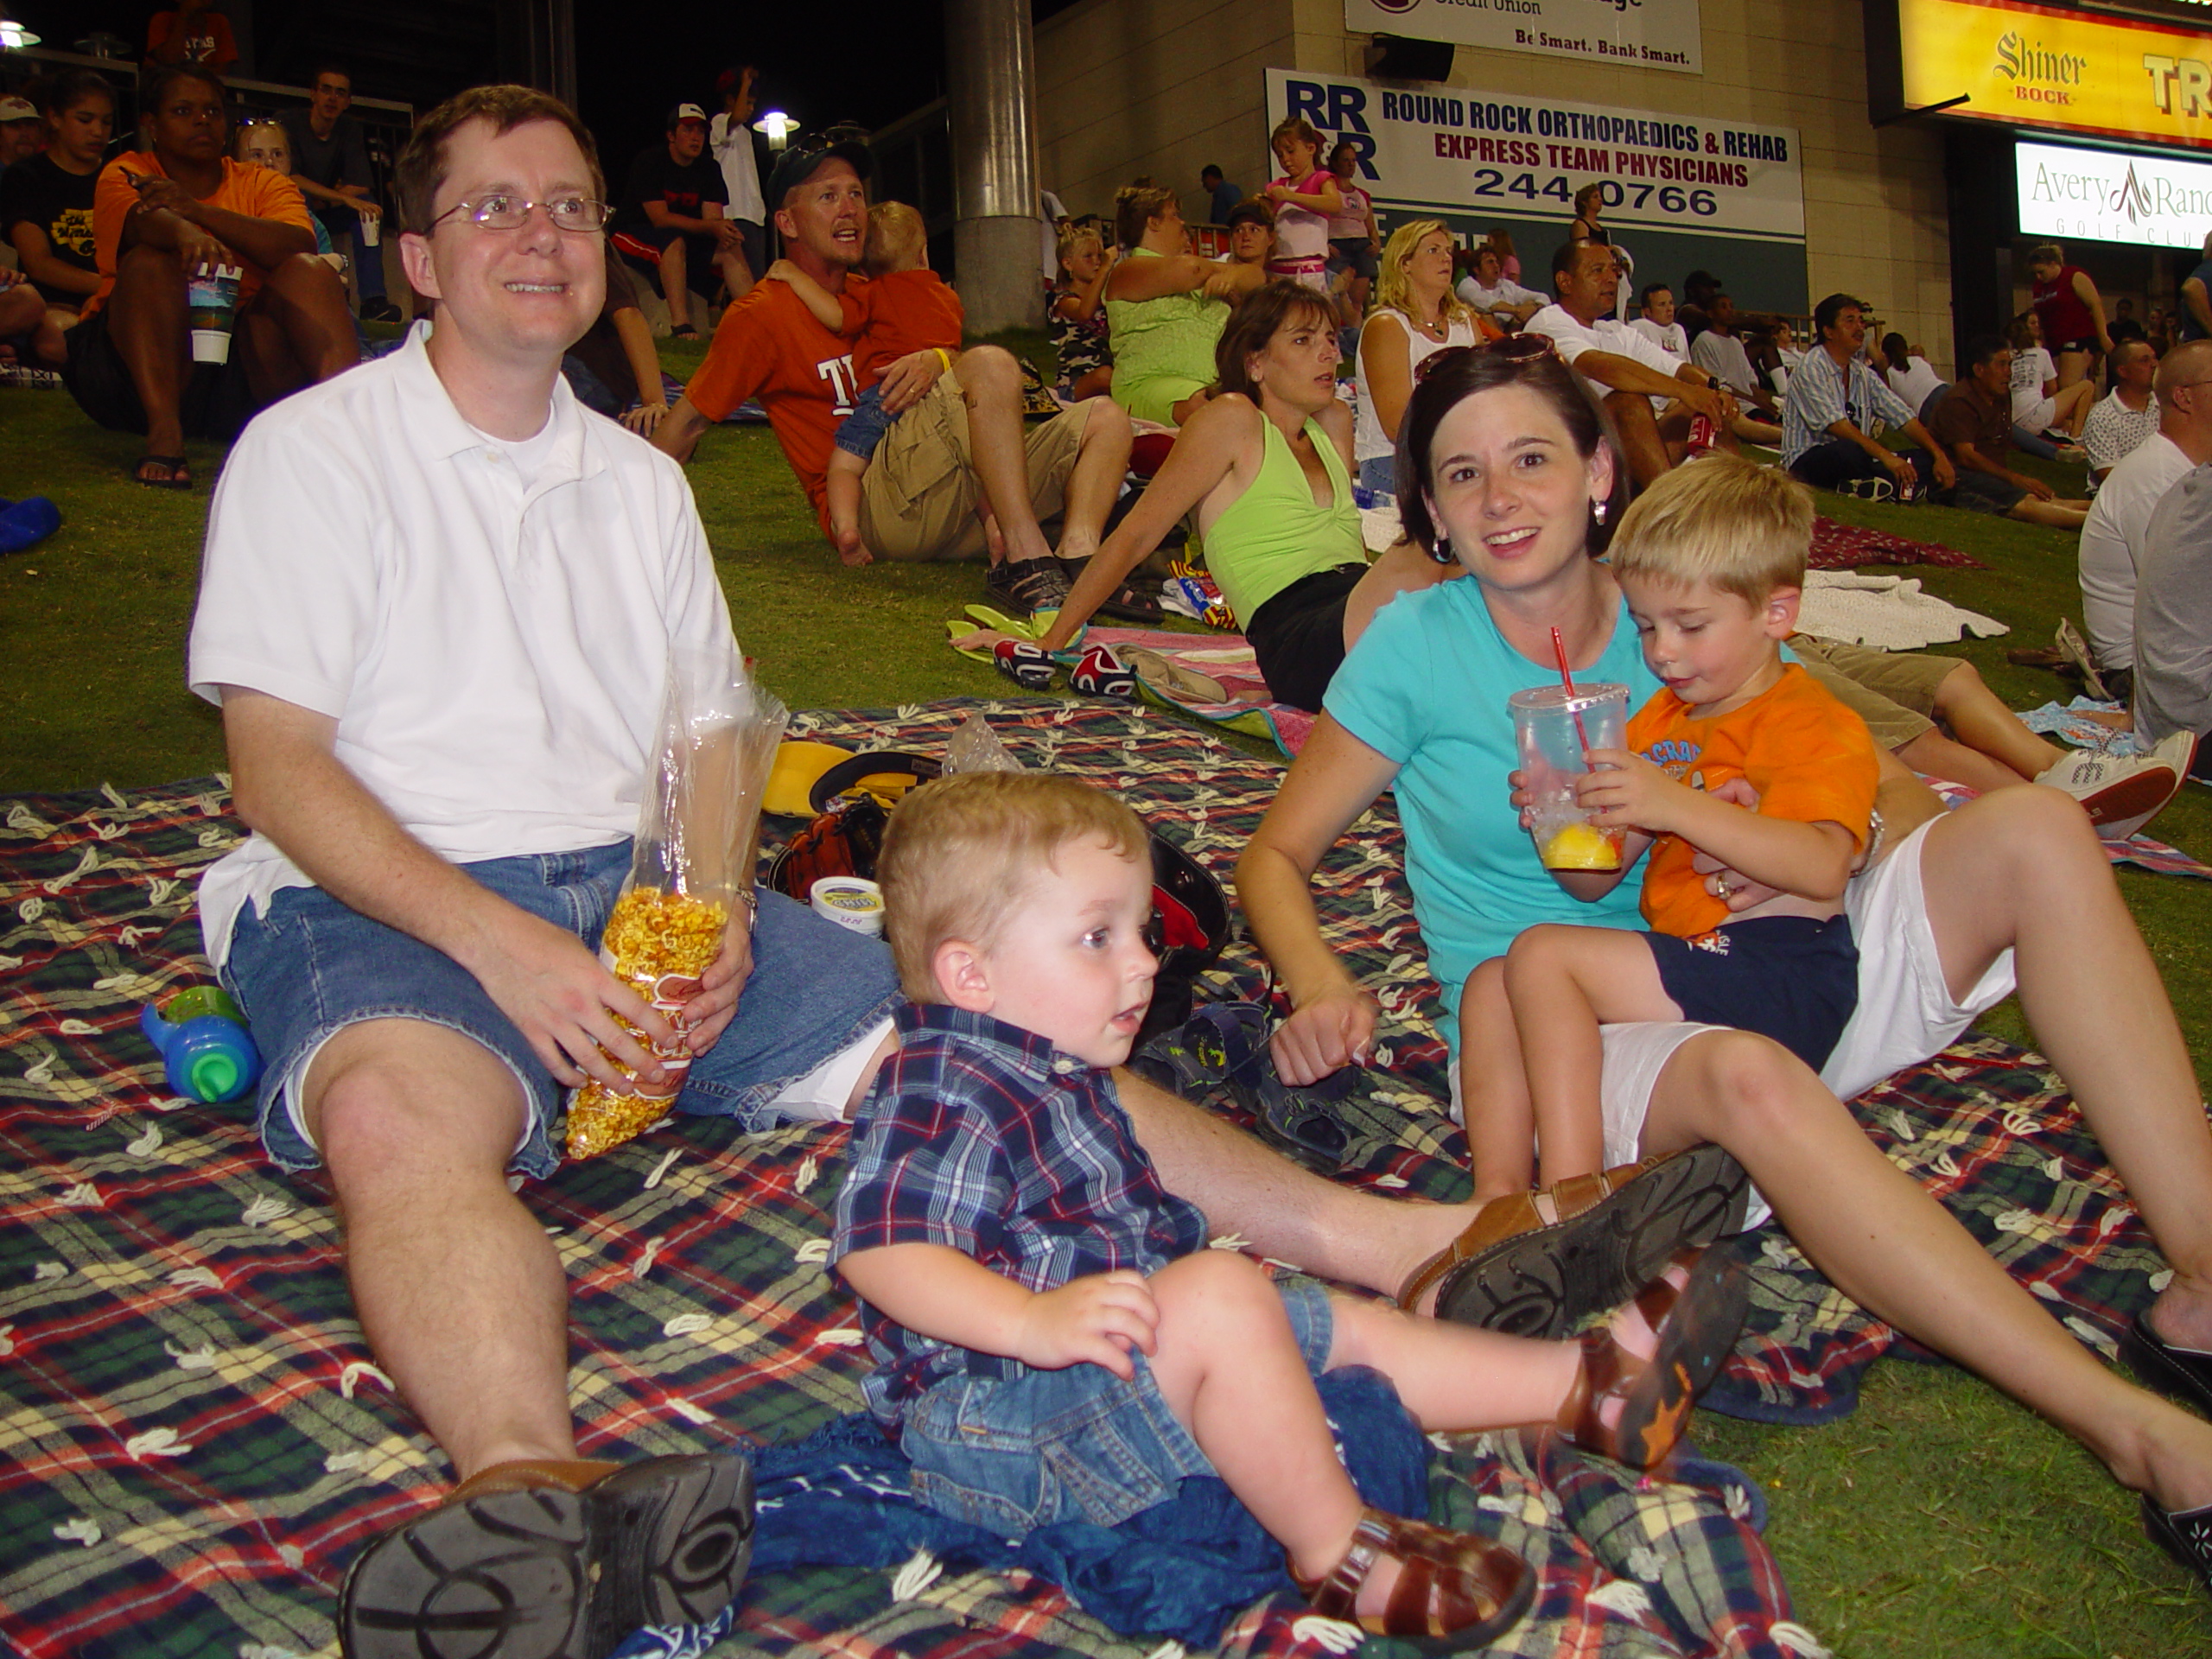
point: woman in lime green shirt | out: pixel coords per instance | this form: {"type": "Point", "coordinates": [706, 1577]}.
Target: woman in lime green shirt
{"type": "Point", "coordinates": [1267, 464]}
{"type": "Point", "coordinates": [1165, 307]}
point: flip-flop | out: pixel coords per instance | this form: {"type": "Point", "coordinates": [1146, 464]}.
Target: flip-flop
{"type": "Point", "coordinates": [1160, 670]}
{"type": "Point", "coordinates": [982, 616]}
{"type": "Point", "coordinates": [180, 476]}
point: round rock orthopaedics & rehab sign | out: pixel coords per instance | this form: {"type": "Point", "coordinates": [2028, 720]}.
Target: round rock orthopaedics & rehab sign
{"type": "Point", "coordinates": [1655, 34]}
{"type": "Point", "coordinates": [1462, 149]}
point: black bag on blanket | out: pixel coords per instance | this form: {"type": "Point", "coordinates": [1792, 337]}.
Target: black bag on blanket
{"type": "Point", "coordinates": [1189, 911]}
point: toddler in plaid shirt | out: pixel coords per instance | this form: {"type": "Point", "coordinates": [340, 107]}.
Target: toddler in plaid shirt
{"type": "Point", "coordinates": [1055, 1342]}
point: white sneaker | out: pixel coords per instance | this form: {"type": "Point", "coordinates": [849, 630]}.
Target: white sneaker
{"type": "Point", "coordinates": [2121, 793]}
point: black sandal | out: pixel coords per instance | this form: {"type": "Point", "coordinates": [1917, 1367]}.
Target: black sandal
{"type": "Point", "coordinates": [180, 476]}
{"type": "Point", "coordinates": [2185, 1534]}
{"type": "Point", "coordinates": [1302, 1123]}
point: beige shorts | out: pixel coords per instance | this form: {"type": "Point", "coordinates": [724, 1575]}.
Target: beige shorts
{"type": "Point", "coordinates": [1893, 691]}
{"type": "Point", "coordinates": [919, 496]}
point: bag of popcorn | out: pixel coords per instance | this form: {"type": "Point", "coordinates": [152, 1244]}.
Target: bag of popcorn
{"type": "Point", "coordinates": [698, 831]}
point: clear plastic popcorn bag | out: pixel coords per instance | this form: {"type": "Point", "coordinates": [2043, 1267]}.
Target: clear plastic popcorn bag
{"type": "Point", "coordinates": [698, 832]}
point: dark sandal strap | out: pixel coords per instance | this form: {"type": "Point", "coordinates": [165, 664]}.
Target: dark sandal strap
{"type": "Point", "coordinates": [1335, 1596]}
{"type": "Point", "coordinates": [1450, 1584]}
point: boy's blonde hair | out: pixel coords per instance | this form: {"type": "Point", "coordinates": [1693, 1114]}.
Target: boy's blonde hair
{"type": "Point", "coordinates": [897, 239]}
{"type": "Point", "coordinates": [1721, 520]}
{"type": "Point", "coordinates": [960, 854]}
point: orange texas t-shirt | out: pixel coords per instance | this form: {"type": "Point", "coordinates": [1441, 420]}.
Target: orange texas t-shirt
{"type": "Point", "coordinates": [254, 192]}
{"type": "Point", "coordinates": [768, 346]}
{"type": "Point", "coordinates": [1812, 761]}
{"type": "Point", "coordinates": [898, 313]}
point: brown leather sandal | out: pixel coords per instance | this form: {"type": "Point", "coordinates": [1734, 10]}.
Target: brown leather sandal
{"type": "Point", "coordinates": [1609, 1234]}
{"type": "Point", "coordinates": [1696, 1327]}
{"type": "Point", "coordinates": [1455, 1592]}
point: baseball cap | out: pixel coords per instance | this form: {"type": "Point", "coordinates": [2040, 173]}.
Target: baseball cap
{"type": "Point", "coordinates": [17, 109]}
{"type": "Point", "coordinates": [683, 112]}
{"type": "Point", "coordinates": [802, 161]}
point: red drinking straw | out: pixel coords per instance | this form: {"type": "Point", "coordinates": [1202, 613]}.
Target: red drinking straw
{"type": "Point", "coordinates": [1567, 679]}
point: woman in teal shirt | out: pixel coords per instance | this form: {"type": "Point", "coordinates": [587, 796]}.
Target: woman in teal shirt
{"type": "Point", "coordinates": [1514, 479]}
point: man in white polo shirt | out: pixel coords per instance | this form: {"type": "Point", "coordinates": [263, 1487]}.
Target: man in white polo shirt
{"type": "Point", "coordinates": [2126, 416]}
{"type": "Point", "coordinates": [439, 709]}
{"type": "Point", "coordinates": [2113, 537]}
{"type": "Point", "coordinates": [1651, 396]}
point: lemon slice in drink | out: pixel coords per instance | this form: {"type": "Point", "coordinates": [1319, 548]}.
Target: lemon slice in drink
{"type": "Point", "coordinates": [1580, 847]}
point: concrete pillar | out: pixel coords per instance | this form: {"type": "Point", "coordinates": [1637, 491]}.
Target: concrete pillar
{"type": "Point", "coordinates": [538, 46]}
{"type": "Point", "coordinates": [991, 90]}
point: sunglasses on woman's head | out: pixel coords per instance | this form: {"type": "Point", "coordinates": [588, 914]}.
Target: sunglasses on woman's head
{"type": "Point", "coordinates": [1513, 348]}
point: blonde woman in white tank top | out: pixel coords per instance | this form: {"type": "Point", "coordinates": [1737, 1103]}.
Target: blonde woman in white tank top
{"type": "Point", "coordinates": [1416, 315]}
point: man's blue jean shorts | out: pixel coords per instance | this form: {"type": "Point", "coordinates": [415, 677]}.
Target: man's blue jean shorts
{"type": "Point", "coordinates": [312, 966]}
{"type": "Point", "coordinates": [1073, 1444]}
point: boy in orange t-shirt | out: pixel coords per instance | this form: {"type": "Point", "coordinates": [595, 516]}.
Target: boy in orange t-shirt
{"type": "Point", "coordinates": [903, 308]}
{"type": "Point", "coordinates": [1711, 561]}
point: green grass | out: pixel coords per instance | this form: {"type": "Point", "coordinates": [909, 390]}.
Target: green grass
{"type": "Point", "coordinates": [1941, 1519]}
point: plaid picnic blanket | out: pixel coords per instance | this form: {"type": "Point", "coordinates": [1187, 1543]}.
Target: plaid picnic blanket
{"type": "Point", "coordinates": [1845, 547]}
{"type": "Point", "coordinates": [195, 1439]}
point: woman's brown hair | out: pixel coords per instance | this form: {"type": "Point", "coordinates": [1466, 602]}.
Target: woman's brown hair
{"type": "Point", "coordinates": [1254, 322]}
{"type": "Point", "coordinates": [1449, 377]}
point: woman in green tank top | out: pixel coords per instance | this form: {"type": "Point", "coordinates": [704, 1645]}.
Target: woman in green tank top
{"type": "Point", "coordinates": [1165, 308]}
{"type": "Point", "coordinates": [1267, 464]}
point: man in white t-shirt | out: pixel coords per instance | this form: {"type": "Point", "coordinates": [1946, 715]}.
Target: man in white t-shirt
{"type": "Point", "coordinates": [1652, 397]}
{"type": "Point", "coordinates": [1488, 289]}
{"type": "Point", "coordinates": [2113, 537]}
{"type": "Point", "coordinates": [1720, 352]}
{"type": "Point", "coordinates": [2127, 416]}
{"type": "Point", "coordinates": [440, 710]}
{"type": "Point", "coordinates": [1657, 323]}
{"type": "Point", "coordinates": [729, 141]}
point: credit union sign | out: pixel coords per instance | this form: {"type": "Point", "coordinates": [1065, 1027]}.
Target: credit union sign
{"type": "Point", "coordinates": [1650, 33]}
{"type": "Point", "coordinates": [2032, 67]}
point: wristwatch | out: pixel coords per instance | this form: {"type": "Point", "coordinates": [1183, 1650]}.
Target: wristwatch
{"type": "Point", "coordinates": [1874, 831]}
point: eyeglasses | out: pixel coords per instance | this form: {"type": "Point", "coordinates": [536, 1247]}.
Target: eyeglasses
{"type": "Point", "coordinates": [578, 214]}
{"type": "Point", "coordinates": [1513, 348]}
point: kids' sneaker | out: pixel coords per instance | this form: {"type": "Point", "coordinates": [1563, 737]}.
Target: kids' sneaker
{"type": "Point", "coordinates": [1024, 662]}
{"type": "Point", "coordinates": [1100, 672]}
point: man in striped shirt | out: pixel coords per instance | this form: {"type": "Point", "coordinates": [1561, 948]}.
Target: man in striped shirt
{"type": "Point", "coordinates": [1835, 404]}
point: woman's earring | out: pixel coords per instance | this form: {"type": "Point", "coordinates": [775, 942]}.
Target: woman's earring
{"type": "Point", "coordinates": [1442, 551]}
{"type": "Point", "coordinates": [1599, 509]}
